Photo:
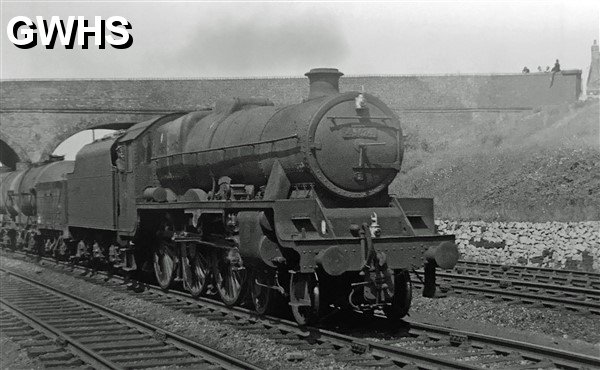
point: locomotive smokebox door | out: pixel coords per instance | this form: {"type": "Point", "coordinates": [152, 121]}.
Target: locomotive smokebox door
{"type": "Point", "coordinates": [369, 137]}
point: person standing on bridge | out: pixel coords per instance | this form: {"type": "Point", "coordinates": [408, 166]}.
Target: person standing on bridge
{"type": "Point", "coordinates": [555, 69]}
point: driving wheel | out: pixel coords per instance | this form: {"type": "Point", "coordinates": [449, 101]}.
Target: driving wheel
{"type": "Point", "coordinates": [230, 276]}
{"type": "Point", "coordinates": [164, 265]}
{"type": "Point", "coordinates": [196, 271]}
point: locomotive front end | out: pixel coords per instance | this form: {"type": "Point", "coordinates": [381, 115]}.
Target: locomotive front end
{"type": "Point", "coordinates": [362, 257]}
{"type": "Point", "coordinates": [353, 244]}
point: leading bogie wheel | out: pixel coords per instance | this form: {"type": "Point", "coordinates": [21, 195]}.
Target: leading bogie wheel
{"type": "Point", "coordinates": [164, 265]}
{"type": "Point", "coordinates": [196, 270]}
{"type": "Point", "coordinates": [263, 297]}
{"type": "Point", "coordinates": [402, 297]}
{"type": "Point", "coordinates": [230, 276]}
{"type": "Point", "coordinates": [304, 298]}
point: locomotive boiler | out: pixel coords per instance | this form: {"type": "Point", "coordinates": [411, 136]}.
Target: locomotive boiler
{"type": "Point", "coordinates": [261, 203]}
{"type": "Point", "coordinates": [349, 145]}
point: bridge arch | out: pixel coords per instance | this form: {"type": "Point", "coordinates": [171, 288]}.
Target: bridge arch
{"type": "Point", "coordinates": [58, 138]}
{"type": "Point", "coordinates": [11, 153]}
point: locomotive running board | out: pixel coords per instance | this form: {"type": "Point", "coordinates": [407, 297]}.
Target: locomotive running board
{"type": "Point", "coordinates": [248, 205]}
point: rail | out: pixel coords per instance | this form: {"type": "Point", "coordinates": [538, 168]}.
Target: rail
{"type": "Point", "coordinates": [479, 267]}
{"type": "Point", "coordinates": [40, 303]}
{"type": "Point", "coordinates": [573, 290]}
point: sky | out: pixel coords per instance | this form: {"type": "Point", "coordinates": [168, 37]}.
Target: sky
{"type": "Point", "coordinates": [72, 145]}
{"type": "Point", "coordinates": [244, 39]}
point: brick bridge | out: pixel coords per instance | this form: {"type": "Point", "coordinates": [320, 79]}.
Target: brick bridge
{"type": "Point", "coordinates": [37, 115]}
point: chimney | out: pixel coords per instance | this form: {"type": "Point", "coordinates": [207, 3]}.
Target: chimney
{"type": "Point", "coordinates": [323, 82]}
{"type": "Point", "coordinates": [593, 81]}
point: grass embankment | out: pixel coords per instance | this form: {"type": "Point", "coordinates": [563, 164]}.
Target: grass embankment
{"type": "Point", "coordinates": [538, 166]}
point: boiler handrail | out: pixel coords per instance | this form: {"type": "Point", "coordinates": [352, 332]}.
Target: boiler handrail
{"type": "Point", "coordinates": [270, 141]}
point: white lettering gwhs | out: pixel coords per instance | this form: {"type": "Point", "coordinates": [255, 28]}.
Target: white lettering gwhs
{"type": "Point", "coordinates": [23, 32]}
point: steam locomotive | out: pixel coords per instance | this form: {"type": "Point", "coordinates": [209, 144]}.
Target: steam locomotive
{"type": "Point", "coordinates": [259, 203]}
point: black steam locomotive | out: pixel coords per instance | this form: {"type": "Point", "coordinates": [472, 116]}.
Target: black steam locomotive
{"type": "Point", "coordinates": [256, 201]}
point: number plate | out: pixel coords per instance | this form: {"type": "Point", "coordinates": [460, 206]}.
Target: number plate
{"type": "Point", "coordinates": [359, 133]}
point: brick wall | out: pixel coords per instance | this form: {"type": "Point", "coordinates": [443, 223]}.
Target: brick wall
{"type": "Point", "coordinates": [32, 111]}
{"type": "Point", "coordinates": [401, 92]}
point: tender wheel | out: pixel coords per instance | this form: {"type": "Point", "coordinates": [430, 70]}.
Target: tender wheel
{"type": "Point", "coordinates": [402, 297]}
{"type": "Point", "coordinates": [164, 265]}
{"type": "Point", "coordinates": [64, 250]}
{"type": "Point", "coordinates": [263, 298]}
{"type": "Point", "coordinates": [230, 277]}
{"type": "Point", "coordinates": [196, 272]}
{"type": "Point", "coordinates": [304, 298]}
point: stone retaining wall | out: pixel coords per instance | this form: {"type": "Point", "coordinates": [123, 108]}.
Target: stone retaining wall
{"type": "Point", "coordinates": [569, 245]}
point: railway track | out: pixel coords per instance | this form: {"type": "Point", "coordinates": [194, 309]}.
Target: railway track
{"type": "Point", "coordinates": [419, 345]}
{"type": "Point", "coordinates": [575, 291]}
{"type": "Point", "coordinates": [581, 279]}
{"type": "Point", "coordinates": [66, 331]}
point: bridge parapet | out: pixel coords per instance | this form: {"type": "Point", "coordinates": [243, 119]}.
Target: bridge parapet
{"type": "Point", "coordinates": [36, 115]}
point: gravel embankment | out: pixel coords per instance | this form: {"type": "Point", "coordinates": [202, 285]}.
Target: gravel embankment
{"type": "Point", "coordinates": [543, 326]}
{"type": "Point", "coordinates": [570, 245]}
{"type": "Point", "coordinates": [14, 357]}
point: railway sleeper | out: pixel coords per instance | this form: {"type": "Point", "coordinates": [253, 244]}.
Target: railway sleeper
{"type": "Point", "coordinates": [98, 328]}
{"type": "Point", "coordinates": [96, 339]}
{"type": "Point", "coordinates": [128, 351]}
{"type": "Point", "coordinates": [380, 364]}
{"type": "Point", "coordinates": [324, 351]}
{"type": "Point", "coordinates": [122, 344]}
{"type": "Point", "coordinates": [37, 341]}
{"type": "Point", "coordinates": [62, 364]}
{"type": "Point", "coordinates": [495, 358]}
{"type": "Point", "coordinates": [70, 321]}
{"type": "Point", "coordinates": [149, 363]}
{"type": "Point", "coordinates": [109, 334]}
{"type": "Point", "coordinates": [56, 356]}
{"type": "Point", "coordinates": [20, 333]}
{"type": "Point", "coordinates": [464, 355]}
{"type": "Point", "coordinates": [175, 353]}
{"type": "Point", "coordinates": [40, 350]}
